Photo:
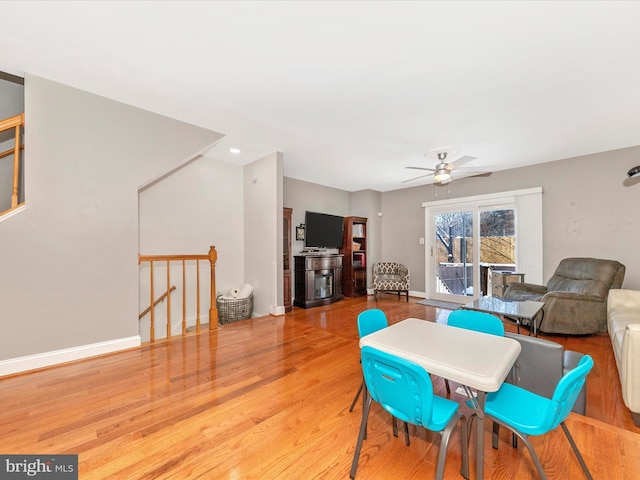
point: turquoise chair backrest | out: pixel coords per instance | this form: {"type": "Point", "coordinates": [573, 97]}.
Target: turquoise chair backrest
{"type": "Point", "coordinates": [403, 388]}
{"type": "Point", "coordinates": [371, 321]}
{"type": "Point", "coordinates": [567, 391]}
{"type": "Point", "coordinates": [478, 321]}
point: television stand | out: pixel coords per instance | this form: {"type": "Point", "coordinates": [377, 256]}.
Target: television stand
{"type": "Point", "coordinates": [318, 280]}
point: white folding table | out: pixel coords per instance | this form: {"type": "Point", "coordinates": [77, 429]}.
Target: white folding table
{"type": "Point", "coordinates": [477, 360]}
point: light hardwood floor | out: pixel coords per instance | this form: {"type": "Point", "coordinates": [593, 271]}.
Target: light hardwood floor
{"type": "Point", "coordinates": [268, 398]}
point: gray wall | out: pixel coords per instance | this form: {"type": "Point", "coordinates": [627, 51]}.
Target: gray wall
{"type": "Point", "coordinates": [302, 196]}
{"type": "Point", "coordinates": [262, 187]}
{"type": "Point", "coordinates": [589, 209]}
{"type": "Point", "coordinates": [196, 206]}
{"type": "Point", "coordinates": [70, 273]}
{"type": "Point", "coordinates": [70, 259]}
{"type": "Point", "coordinates": [401, 230]}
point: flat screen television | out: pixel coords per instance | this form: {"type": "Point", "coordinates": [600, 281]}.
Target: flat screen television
{"type": "Point", "coordinates": [323, 230]}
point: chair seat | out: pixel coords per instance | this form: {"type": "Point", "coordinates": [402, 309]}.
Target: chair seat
{"type": "Point", "coordinates": [443, 410]}
{"type": "Point", "coordinates": [523, 410]}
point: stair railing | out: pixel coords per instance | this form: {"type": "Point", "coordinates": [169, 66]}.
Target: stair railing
{"type": "Point", "coordinates": [167, 260]}
{"type": "Point", "coordinates": [157, 301]}
{"type": "Point", "coordinates": [16, 122]}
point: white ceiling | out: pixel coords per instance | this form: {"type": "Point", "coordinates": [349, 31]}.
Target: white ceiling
{"type": "Point", "coordinates": [354, 92]}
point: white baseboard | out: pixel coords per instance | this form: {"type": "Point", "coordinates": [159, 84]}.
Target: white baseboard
{"type": "Point", "coordinates": [55, 357]}
{"type": "Point", "coordinates": [412, 293]}
{"type": "Point", "coordinates": [276, 310]}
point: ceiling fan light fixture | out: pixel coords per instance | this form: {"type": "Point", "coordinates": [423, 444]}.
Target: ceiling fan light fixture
{"type": "Point", "coordinates": [442, 175]}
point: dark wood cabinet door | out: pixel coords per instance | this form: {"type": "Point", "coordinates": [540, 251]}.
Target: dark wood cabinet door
{"type": "Point", "coordinates": [360, 281]}
{"type": "Point", "coordinates": [354, 249]}
{"type": "Point", "coordinates": [286, 259]}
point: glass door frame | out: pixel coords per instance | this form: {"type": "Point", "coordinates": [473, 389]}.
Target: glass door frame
{"type": "Point", "coordinates": [430, 232]}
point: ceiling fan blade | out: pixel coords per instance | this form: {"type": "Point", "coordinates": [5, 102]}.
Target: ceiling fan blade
{"type": "Point", "coordinates": [459, 162]}
{"type": "Point", "coordinates": [477, 173]}
{"type": "Point", "coordinates": [421, 168]}
{"type": "Point", "coordinates": [416, 178]}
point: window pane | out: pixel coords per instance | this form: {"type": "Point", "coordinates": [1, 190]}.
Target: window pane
{"type": "Point", "coordinates": [454, 253]}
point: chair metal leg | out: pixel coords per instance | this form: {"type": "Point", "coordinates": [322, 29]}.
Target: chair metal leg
{"type": "Point", "coordinates": [365, 396]}
{"type": "Point", "coordinates": [446, 384]}
{"type": "Point", "coordinates": [355, 399]}
{"type": "Point", "coordinates": [406, 433]}
{"type": "Point", "coordinates": [444, 443]}
{"type": "Point", "coordinates": [472, 417]}
{"type": "Point", "coordinates": [576, 451]}
{"type": "Point", "coordinates": [495, 435]}
{"type": "Point", "coordinates": [527, 443]}
{"type": "Point", "coordinates": [361, 437]}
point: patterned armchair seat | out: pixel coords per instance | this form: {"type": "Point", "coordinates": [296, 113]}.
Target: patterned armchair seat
{"type": "Point", "coordinates": [390, 277]}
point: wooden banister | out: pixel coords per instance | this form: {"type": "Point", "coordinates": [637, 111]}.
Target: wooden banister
{"type": "Point", "coordinates": [158, 300]}
{"type": "Point", "coordinates": [212, 257]}
{"type": "Point", "coordinates": [11, 122]}
{"type": "Point", "coordinates": [14, 122]}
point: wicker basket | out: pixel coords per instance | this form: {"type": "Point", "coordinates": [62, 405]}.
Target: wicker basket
{"type": "Point", "coordinates": [234, 309]}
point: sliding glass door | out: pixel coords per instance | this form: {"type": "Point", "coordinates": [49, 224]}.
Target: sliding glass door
{"type": "Point", "coordinates": [469, 239]}
{"type": "Point", "coordinates": [453, 255]}
{"type": "Point", "coordinates": [497, 247]}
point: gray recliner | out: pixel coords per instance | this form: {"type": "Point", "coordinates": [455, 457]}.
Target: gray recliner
{"type": "Point", "coordinates": [575, 297]}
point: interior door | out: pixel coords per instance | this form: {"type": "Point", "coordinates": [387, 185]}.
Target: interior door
{"type": "Point", "coordinates": [453, 253]}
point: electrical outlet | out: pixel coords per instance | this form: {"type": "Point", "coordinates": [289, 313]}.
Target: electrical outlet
{"type": "Point", "coordinates": [421, 241]}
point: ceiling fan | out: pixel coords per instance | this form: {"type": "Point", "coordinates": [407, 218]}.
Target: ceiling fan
{"type": "Point", "coordinates": [442, 171]}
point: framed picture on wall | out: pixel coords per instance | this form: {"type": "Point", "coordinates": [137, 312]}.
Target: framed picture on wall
{"type": "Point", "coordinates": [300, 232]}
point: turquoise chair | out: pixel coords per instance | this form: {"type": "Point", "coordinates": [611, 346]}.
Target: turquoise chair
{"type": "Point", "coordinates": [371, 321]}
{"type": "Point", "coordinates": [368, 322]}
{"type": "Point", "coordinates": [526, 413]}
{"type": "Point", "coordinates": [404, 389]}
{"type": "Point", "coordinates": [478, 321]}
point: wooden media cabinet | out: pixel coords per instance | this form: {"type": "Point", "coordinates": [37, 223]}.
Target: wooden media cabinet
{"type": "Point", "coordinates": [318, 280]}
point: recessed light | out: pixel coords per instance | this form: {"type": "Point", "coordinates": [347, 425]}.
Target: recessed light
{"type": "Point", "coordinates": [234, 150]}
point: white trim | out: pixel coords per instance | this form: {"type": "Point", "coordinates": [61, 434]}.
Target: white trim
{"type": "Point", "coordinates": [486, 198]}
{"type": "Point", "coordinates": [13, 212]}
{"type": "Point", "coordinates": [55, 357]}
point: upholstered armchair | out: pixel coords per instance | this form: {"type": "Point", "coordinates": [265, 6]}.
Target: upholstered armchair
{"type": "Point", "coordinates": [390, 277]}
{"type": "Point", "coordinates": [575, 297]}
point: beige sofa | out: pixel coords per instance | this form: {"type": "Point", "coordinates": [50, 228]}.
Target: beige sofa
{"type": "Point", "coordinates": [623, 323]}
